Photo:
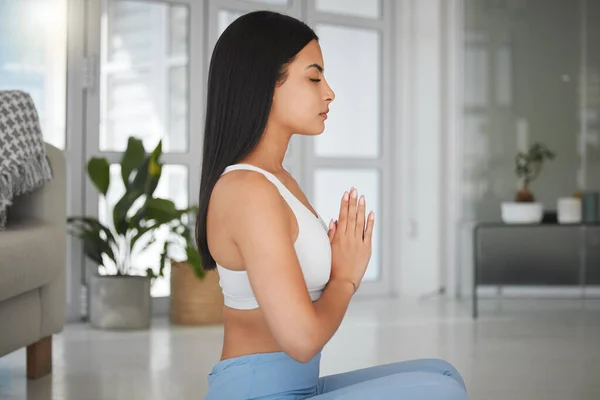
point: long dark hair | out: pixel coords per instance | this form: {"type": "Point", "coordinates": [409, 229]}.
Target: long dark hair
{"type": "Point", "coordinates": [249, 60]}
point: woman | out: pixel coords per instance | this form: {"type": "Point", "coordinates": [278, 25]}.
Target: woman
{"type": "Point", "coordinates": [286, 277]}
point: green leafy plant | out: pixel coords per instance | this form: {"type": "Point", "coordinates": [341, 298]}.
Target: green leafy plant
{"type": "Point", "coordinates": [136, 217]}
{"type": "Point", "coordinates": [528, 167]}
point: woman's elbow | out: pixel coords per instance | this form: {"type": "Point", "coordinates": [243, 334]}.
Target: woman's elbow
{"type": "Point", "coordinates": [302, 356]}
{"type": "Point", "coordinates": [301, 338]}
{"type": "Point", "coordinates": [302, 351]}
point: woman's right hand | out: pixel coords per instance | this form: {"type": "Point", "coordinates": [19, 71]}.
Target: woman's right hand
{"type": "Point", "coordinates": [351, 239]}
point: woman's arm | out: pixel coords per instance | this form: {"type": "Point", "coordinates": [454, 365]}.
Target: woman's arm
{"type": "Point", "coordinates": [330, 310]}
{"type": "Point", "coordinates": [260, 227]}
{"type": "Point", "coordinates": [351, 250]}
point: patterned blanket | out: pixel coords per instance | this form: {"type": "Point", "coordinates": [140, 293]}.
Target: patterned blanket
{"type": "Point", "coordinates": [24, 164]}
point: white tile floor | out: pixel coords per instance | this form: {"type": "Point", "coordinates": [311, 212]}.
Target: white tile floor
{"type": "Point", "coordinates": [518, 349]}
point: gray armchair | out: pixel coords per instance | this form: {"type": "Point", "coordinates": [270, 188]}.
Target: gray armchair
{"type": "Point", "coordinates": [33, 271]}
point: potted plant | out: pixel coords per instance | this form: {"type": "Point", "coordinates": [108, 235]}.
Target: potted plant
{"type": "Point", "coordinates": [120, 299]}
{"type": "Point", "coordinates": [528, 167]}
{"type": "Point", "coordinates": [195, 301]}
{"type": "Point", "coordinates": [196, 297]}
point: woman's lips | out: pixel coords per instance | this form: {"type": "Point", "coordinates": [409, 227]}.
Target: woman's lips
{"type": "Point", "coordinates": [324, 115]}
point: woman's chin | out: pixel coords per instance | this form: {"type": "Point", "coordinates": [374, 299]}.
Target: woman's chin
{"type": "Point", "coordinates": [315, 132]}
{"type": "Point", "coordinates": [319, 129]}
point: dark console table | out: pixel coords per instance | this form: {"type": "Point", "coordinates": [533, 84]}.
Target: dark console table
{"type": "Point", "coordinates": [540, 254]}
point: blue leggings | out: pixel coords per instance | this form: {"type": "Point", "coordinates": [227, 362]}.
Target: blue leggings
{"type": "Point", "coordinates": [277, 376]}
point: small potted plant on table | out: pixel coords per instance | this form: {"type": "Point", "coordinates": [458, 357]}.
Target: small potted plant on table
{"type": "Point", "coordinates": [528, 167]}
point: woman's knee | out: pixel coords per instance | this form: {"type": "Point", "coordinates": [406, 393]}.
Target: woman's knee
{"type": "Point", "coordinates": [445, 368]}
{"type": "Point", "coordinates": [408, 385]}
{"type": "Point", "coordinates": [441, 365]}
{"type": "Point", "coordinates": [427, 385]}
{"type": "Point", "coordinates": [444, 387]}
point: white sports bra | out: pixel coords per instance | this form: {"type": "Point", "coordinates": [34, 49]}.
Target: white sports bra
{"type": "Point", "coordinates": [312, 249]}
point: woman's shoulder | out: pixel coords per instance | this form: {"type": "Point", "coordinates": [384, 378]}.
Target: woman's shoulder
{"type": "Point", "coordinates": [243, 203]}
{"type": "Point", "coordinates": [241, 183]}
{"type": "Point", "coordinates": [243, 191]}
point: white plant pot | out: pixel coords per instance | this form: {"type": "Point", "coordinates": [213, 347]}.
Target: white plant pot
{"type": "Point", "coordinates": [522, 213]}
{"type": "Point", "coordinates": [569, 210]}
{"type": "Point", "coordinates": [120, 302]}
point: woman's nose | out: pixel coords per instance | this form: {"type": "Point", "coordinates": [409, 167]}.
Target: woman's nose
{"type": "Point", "coordinates": [330, 95]}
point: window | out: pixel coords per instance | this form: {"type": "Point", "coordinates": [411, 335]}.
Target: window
{"type": "Point", "coordinates": [145, 92]}
{"type": "Point", "coordinates": [33, 58]}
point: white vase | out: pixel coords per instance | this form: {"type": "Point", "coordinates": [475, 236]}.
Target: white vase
{"type": "Point", "coordinates": [569, 210]}
{"type": "Point", "coordinates": [522, 213]}
{"type": "Point", "coordinates": [120, 302]}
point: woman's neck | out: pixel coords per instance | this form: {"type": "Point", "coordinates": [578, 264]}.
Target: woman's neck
{"type": "Point", "coordinates": [270, 151]}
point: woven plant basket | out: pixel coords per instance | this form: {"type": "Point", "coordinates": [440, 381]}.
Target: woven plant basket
{"type": "Point", "coordinates": [195, 301]}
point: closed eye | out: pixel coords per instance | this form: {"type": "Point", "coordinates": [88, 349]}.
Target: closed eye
{"type": "Point", "coordinates": [316, 80]}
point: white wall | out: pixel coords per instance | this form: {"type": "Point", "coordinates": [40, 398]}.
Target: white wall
{"type": "Point", "coordinates": [420, 161]}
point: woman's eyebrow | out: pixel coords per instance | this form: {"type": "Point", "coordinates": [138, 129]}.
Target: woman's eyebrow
{"type": "Point", "coordinates": [317, 66]}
